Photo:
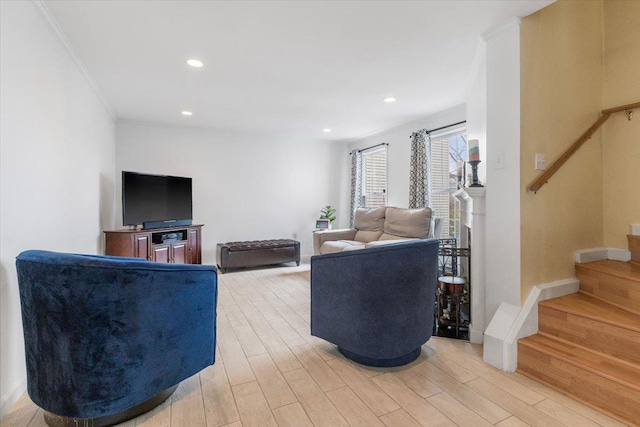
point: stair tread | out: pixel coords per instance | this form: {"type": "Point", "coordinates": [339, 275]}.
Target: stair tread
{"type": "Point", "coordinates": [627, 270]}
{"type": "Point", "coordinates": [623, 373]}
{"type": "Point", "coordinates": [584, 305]}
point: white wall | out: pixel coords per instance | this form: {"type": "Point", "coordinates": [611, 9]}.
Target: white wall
{"type": "Point", "coordinates": [477, 108]}
{"type": "Point", "coordinates": [503, 167]}
{"type": "Point", "coordinates": [245, 186]}
{"type": "Point", "coordinates": [398, 158]}
{"type": "Point", "coordinates": [57, 160]}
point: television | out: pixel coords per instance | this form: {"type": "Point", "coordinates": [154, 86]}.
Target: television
{"type": "Point", "coordinates": [156, 201]}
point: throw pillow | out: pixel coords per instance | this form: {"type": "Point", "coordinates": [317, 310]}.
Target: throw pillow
{"type": "Point", "coordinates": [370, 219]}
{"type": "Point", "coordinates": [408, 222]}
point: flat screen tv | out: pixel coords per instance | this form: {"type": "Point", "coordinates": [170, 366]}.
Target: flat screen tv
{"type": "Point", "coordinates": [156, 201]}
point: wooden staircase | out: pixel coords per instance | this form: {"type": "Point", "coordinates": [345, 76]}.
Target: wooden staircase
{"type": "Point", "coordinates": [588, 343]}
{"type": "Point", "coordinates": [634, 247]}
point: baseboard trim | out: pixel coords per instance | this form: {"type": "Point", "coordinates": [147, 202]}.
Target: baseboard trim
{"type": "Point", "coordinates": [511, 323]}
{"type": "Point", "coordinates": [476, 336]}
{"type": "Point", "coordinates": [11, 397]}
{"type": "Point", "coordinates": [599, 254]}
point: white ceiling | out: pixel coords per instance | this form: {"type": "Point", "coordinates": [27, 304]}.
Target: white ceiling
{"type": "Point", "coordinates": [290, 68]}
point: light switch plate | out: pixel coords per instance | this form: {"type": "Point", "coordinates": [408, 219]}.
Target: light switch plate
{"type": "Point", "coordinates": [499, 160]}
{"type": "Point", "coordinates": [540, 162]}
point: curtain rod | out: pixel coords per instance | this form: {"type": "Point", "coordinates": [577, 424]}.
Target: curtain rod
{"type": "Point", "coordinates": [443, 127]}
{"type": "Point", "coordinates": [368, 148]}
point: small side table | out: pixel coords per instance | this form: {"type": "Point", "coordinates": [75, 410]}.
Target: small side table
{"type": "Point", "coordinates": [450, 290]}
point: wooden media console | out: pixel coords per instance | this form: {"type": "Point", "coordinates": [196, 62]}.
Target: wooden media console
{"type": "Point", "coordinates": [178, 245]}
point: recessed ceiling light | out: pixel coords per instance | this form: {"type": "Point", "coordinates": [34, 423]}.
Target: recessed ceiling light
{"type": "Point", "coordinates": [196, 63]}
{"type": "Point", "coordinates": [327, 130]}
{"type": "Point", "coordinates": [186, 113]}
{"type": "Point", "coordinates": [390, 99]}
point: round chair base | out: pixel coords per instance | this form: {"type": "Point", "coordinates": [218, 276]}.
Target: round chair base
{"type": "Point", "coordinates": [384, 363]}
{"type": "Point", "coordinates": [108, 420]}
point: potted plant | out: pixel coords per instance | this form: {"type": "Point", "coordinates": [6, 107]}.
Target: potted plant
{"type": "Point", "coordinates": [328, 212]}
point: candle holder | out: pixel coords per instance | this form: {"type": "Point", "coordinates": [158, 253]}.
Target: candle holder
{"type": "Point", "coordinates": [474, 171]}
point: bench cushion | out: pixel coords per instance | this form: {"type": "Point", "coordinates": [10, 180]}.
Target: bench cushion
{"type": "Point", "coordinates": [260, 244]}
{"type": "Point", "coordinates": [256, 253]}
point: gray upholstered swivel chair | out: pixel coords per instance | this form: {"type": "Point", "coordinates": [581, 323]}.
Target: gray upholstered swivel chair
{"type": "Point", "coordinates": [376, 304]}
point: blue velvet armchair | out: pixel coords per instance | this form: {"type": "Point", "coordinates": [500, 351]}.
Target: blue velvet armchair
{"type": "Point", "coordinates": [376, 304]}
{"type": "Point", "coordinates": [107, 338]}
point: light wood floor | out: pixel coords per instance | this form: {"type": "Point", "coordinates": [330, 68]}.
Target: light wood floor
{"type": "Point", "coordinates": [270, 372]}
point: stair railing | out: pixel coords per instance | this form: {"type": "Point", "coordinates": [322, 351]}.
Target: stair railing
{"type": "Point", "coordinates": [544, 177]}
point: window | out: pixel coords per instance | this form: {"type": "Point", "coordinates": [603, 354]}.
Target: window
{"type": "Point", "coordinates": [446, 150]}
{"type": "Point", "coordinates": [374, 177]}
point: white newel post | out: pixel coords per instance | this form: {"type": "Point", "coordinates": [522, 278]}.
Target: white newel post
{"type": "Point", "coordinates": [472, 215]}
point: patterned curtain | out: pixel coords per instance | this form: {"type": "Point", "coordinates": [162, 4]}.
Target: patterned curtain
{"type": "Point", "coordinates": [420, 170]}
{"type": "Point", "coordinates": [356, 183]}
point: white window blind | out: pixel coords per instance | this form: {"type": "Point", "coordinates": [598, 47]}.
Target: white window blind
{"type": "Point", "coordinates": [374, 178]}
{"type": "Point", "coordinates": [447, 148]}
{"type": "Point", "coordinates": [440, 181]}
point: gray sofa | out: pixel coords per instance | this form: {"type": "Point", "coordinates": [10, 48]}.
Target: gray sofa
{"type": "Point", "coordinates": [378, 226]}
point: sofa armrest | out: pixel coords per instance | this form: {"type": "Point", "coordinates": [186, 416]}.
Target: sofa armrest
{"type": "Point", "coordinates": [436, 227]}
{"type": "Point", "coordinates": [319, 237]}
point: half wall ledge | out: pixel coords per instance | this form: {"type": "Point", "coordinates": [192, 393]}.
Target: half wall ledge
{"type": "Point", "coordinates": [472, 216]}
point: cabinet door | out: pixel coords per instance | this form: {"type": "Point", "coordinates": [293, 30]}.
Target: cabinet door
{"type": "Point", "coordinates": [161, 253]}
{"type": "Point", "coordinates": [142, 245]}
{"type": "Point", "coordinates": [179, 253]}
{"type": "Point", "coordinates": [193, 246]}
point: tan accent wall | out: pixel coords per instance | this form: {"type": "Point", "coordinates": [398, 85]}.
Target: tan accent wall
{"type": "Point", "coordinates": [621, 147]}
{"type": "Point", "coordinates": [561, 97]}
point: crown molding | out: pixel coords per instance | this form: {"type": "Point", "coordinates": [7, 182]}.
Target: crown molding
{"type": "Point", "coordinates": [64, 42]}
{"type": "Point", "coordinates": [493, 32]}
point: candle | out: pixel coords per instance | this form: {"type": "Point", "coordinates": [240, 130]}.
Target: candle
{"type": "Point", "coordinates": [459, 169]}
{"type": "Point", "coordinates": [474, 150]}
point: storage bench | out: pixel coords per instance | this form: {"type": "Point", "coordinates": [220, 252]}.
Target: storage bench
{"type": "Point", "coordinates": [257, 252]}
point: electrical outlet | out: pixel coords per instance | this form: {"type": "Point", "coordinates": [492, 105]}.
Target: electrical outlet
{"type": "Point", "coordinates": [540, 162]}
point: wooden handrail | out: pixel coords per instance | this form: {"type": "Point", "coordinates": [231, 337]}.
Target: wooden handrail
{"type": "Point", "coordinates": [621, 108]}
{"type": "Point", "coordinates": [544, 177]}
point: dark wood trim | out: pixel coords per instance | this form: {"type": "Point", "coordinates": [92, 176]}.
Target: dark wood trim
{"type": "Point", "coordinates": [621, 108]}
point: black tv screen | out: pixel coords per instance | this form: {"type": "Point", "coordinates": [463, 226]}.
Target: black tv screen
{"type": "Point", "coordinates": [156, 200]}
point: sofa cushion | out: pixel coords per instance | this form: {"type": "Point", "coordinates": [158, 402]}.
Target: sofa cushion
{"type": "Point", "coordinates": [367, 236]}
{"type": "Point", "coordinates": [387, 237]}
{"type": "Point", "coordinates": [386, 242]}
{"type": "Point", "coordinates": [407, 222]}
{"type": "Point", "coordinates": [370, 219]}
{"type": "Point", "coordinates": [354, 247]}
{"type": "Point", "coordinates": [332, 246]}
